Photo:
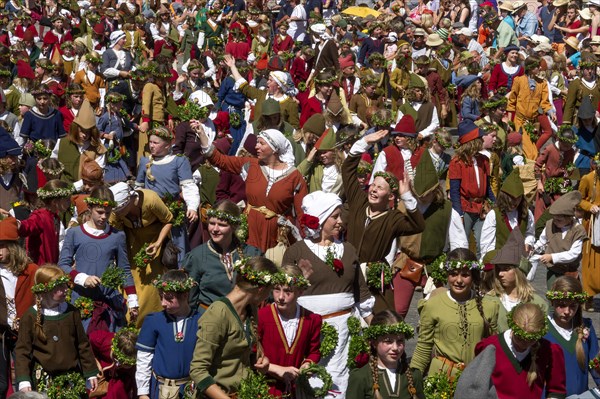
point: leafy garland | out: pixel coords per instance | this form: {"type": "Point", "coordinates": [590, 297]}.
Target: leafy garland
{"type": "Point", "coordinates": [318, 371]}
{"type": "Point", "coordinates": [189, 111]}
{"type": "Point", "coordinates": [558, 185]}
{"type": "Point", "coordinates": [440, 385]}
{"type": "Point", "coordinates": [329, 339]}
{"type": "Point", "coordinates": [56, 193]}
{"type": "Point", "coordinates": [142, 259]}
{"type": "Point", "coordinates": [374, 273]}
{"type": "Point", "coordinates": [282, 278]}
{"type": "Point", "coordinates": [377, 121]}
{"type": "Point", "coordinates": [302, 87]}
{"type": "Point", "coordinates": [388, 178]}
{"type": "Point", "coordinates": [581, 297]}
{"type": "Point", "coordinates": [117, 354]}
{"type": "Point", "coordinates": [255, 277]}
{"type": "Point", "coordinates": [49, 286]}
{"type": "Point", "coordinates": [560, 134]}
{"type": "Point", "coordinates": [85, 306]}
{"type": "Point", "coordinates": [462, 264]}
{"type": "Point", "coordinates": [177, 208]}
{"type": "Point", "coordinates": [374, 332]}
{"type": "Point", "coordinates": [595, 363]}
{"type": "Point", "coordinates": [519, 332]}
{"type": "Point", "coordinates": [254, 386]}
{"type": "Point", "coordinates": [174, 286]}
{"type": "Point", "coordinates": [235, 120]}
{"type": "Point", "coordinates": [37, 147]}
{"type": "Point", "coordinates": [114, 155]}
{"type": "Point", "coordinates": [495, 104]}
{"type": "Point", "coordinates": [67, 386]}
{"type": "Point", "coordinates": [100, 202]}
{"type": "Point", "coordinates": [437, 271]}
{"type": "Point", "coordinates": [113, 277]}
{"type": "Point", "coordinates": [242, 230]}
{"type": "Point", "coordinates": [530, 129]}
{"type": "Point", "coordinates": [358, 348]}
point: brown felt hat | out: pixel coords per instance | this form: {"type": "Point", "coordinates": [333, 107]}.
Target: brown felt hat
{"type": "Point", "coordinates": [513, 252]}
{"type": "Point", "coordinates": [9, 230]}
{"type": "Point", "coordinates": [566, 204]}
{"type": "Point", "coordinates": [315, 124]}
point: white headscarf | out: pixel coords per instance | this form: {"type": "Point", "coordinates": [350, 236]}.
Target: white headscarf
{"type": "Point", "coordinates": [321, 205]}
{"type": "Point", "coordinates": [115, 37]}
{"type": "Point", "coordinates": [121, 192]}
{"type": "Point", "coordinates": [284, 80]}
{"type": "Point", "coordinates": [280, 144]}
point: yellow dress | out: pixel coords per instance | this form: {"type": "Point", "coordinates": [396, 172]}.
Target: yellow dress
{"type": "Point", "coordinates": [590, 262]}
{"type": "Point", "coordinates": [154, 215]}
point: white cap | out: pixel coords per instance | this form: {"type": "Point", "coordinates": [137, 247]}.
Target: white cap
{"type": "Point", "coordinates": [201, 98]}
{"type": "Point", "coordinates": [465, 31]}
{"type": "Point", "coordinates": [318, 29]}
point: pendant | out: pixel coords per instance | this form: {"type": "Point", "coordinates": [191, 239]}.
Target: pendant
{"type": "Point", "coordinates": [179, 336]}
{"type": "Point", "coordinates": [55, 338]}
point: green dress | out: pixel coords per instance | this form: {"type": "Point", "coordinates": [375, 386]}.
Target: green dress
{"type": "Point", "coordinates": [360, 385]}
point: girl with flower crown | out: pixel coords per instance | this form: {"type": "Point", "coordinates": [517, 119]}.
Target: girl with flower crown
{"type": "Point", "coordinates": [43, 228]}
{"type": "Point", "coordinates": [455, 319]}
{"type": "Point", "coordinates": [573, 332]}
{"type": "Point", "coordinates": [51, 337]}
{"type": "Point", "coordinates": [388, 374]}
{"type": "Point", "coordinates": [211, 264]}
{"type": "Point", "coordinates": [167, 339]}
{"type": "Point", "coordinates": [338, 289]}
{"type": "Point", "coordinates": [519, 363]}
{"type": "Point", "coordinates": [227, 332]}
{"type": "Point", "coordinates": [87, 253]}
{"type": "Point", "coordinates": [289, 334]}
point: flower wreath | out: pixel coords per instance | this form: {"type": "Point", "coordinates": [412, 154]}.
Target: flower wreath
{"type": "Point", "coordinates": [581, 297]}
{"type": "Point", "coordinates": [240, 222]}
{"type": "Point", "coordinates": [235, 120]}
{"type": "Point", "coordinates": [56, 193]}
{"type": "Point", "coordinates": [50, 172]}
{"type": "Point", "coordinates": [94, 60]}
{"type": "Point", "coordinates": [40, 288]}
{"type": "Point", "coordinates": [263, 278]}
{"type": "Point", "coordinates": [117, 354]}
{"type": "Point", "coordinates": [114, 98]}
{"type": "Point", "coordinates": [85, 306]}
{"type": "Point", "coordinates": [519, 332]}
{"type": "Point", "coordinates": [282, 278]}
{"type": "Point", "coordinates": [177, 208]}
{"type": "Point", "coordinates": [327, 81]}
{"type": "Point", "coordinates": [587, 64]}
{"type": "Point", "coordinates": [379, 275]}
{"type": "Point", "coordinates": [142, 259]}
{"type": "Point", "coordinates": [191, 110]}
{"type": "Point", "coordinates": [174, 286]}
{"type": "Point", "coordinates": [113, 277]}
{"type": "Point", "coordinates": [74, 91]}
{"type": "Point", "coordinates": [402, 328]}
{"type": "Point", "coordinates": [67, 386]}
{"type": "Point", "coordinates": [314, 370]}
{"type": "Point", "coordinates": [100, 202]}
{"type": "Point", "coordinates": [562, 130]}
{"type": "Point", "coordinates": [462, 264]}
{"type": "Point", "coordinates": [437, 270]}
{"type": "Point", "coordinates": [595, 363]}
{"type": "Point", "coordinates": [163, 133]}
{"type": "Point", "coordinates": [441, 141]}
{"type": "Point", "coordinates": [329, 340]}
{"type": "Point", "coordinates": [364, 168]}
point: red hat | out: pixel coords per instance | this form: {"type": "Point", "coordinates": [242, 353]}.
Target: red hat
{"type": "Point", "coordinates": [28, 36]}
{"type": "Point", "coordinates": [24, 70]}
{"type": "Point", "coordinates": [513, 139]}
{"type": "Point", "coordinates": [346, 62]}
{"type": "Point", "coordinates": [221, 122]}
{"type": "Point", "coordinates": [406, 127]}
{"type": "Point", "coordinates": [275, 64]}
{"type": "Point", "coordinates": [263, 63]}
{"type": "Point", "coordinates": [99, 28]}
{"type": "Point", "coordinates": [9, 230]}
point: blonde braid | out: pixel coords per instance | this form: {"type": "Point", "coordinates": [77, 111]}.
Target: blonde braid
{"type": "Point", "coordinates": [579, 352]}
{"type": "Point", "coordinates": [39, 319]}
{"type": "Point", "coordinates": [532, 372]}
{"type": "Point", "coordinates": [409, 377]}
{"type": "Point", "coordinates": [254, 331]}
{"type": "Point", "coordinates": [375, 374]}
{"type": "Point", "coordinates": [486, 324]}
{"type": "Point", "coordinates": [148, 171]}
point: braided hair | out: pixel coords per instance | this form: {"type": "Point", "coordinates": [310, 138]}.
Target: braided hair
{"type": "Point", "coordinates": [530, 318]}
{"type": "Point", "coordinates": [44, 275]}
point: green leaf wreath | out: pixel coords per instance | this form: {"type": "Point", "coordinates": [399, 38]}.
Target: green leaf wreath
{"type": "Point", "coordinates": [67, 386]}
{"type": "Point", "coordinates": [314, 370]}
{"type": "Point", "coordinates": [437, 271]}
{"type": "Point", "coordinates": [374, 270]}
{"type": "Point", "coordinates": [529, 127]}
{"type": "Point", "coordinates": [358, 343]}
{"type": "Point", "coordinates": [440, 386]}
{"type": "Point", "coordinates": [329, 339]}
{"type": "Point", "coordinates": [177, 208]}
{"type": "Point", "coordinates": [241, 232]}
{"type": "Point", "coordinates": [558, 185]}
{"type": "Point", "coordinates": [113, 277]}
{"type": "Point", "coordinates": [253, 386]}
{"type": "Point", "coordinates": [85, 306]}
{"type": "Point", "coordinates": [235, 120]}
{"type": "Point", "coordinates": [142, 259]}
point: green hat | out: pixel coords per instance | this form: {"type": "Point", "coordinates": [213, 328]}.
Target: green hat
{"type": "Point", "coordinates": [315, 124]}
{"type": "Point", "coordinates": [513, 185]}
{"type": "Point", "coordinates": [513, 252]}
{"type": "Point", "coordinates": [326, 141]}
{"type": "Point", "coordinates": [416, 82]}
{"type": "Point", "coordinates": [270, 107]}
{"type": "Point", "coordinates": [426, 177]}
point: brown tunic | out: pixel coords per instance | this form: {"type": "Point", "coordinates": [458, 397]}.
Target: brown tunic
{"type": "Point", "coordinates": [558, 244]}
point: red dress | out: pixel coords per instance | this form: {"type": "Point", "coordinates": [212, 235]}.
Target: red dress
{"type": "Point", "coordinates": [52, 40]}
{"type": "Point", "coordinates": [312, 106]}
{"type": "Point", "coordinates": [284, 44]}
{"type": "Point", "coordinates": [238, 50]}
{"type": "Point", "coordinates": [121, 381]}
{"type": "Point", "coordinates": [510, 376]}
{"type": "Point", "coordinates": [68, 117]}
{"type": "Point", "coordinates": [41, 230]}
{"type": "Point", "coordinates": [306, 344]}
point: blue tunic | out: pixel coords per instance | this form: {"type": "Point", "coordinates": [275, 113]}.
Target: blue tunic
{"type": "Point", "coordinates": [587, 148]}
{"type": "Point", "coordinates": [577, 379]}
{"type": "Point", "coordinates": [171, 359]}
{"type": "Point", "coordinates": [92, 255]}
{"type": "Point", "coordinates": [39, 127]}
{"type": "Point", "coordinates": [118, 171]}
{"type": "Point", "coordinates": [168, 174]}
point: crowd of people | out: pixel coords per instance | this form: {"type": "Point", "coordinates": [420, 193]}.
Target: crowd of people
{"type": "Point", "coordinates": [240, 198]}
